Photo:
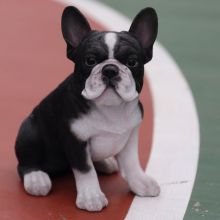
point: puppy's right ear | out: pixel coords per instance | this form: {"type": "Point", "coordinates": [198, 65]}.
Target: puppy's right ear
{"type": "Point", "coordinates": [144, 27]}
{"type": "Point", "coordinates": [74, 28]}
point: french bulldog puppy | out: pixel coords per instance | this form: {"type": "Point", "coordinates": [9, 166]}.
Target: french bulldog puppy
{"type": "Point", "coordinates": [90, 121]}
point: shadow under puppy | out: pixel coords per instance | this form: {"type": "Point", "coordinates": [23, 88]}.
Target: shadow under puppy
{"type": "Point", "coordinates": [93, 116]}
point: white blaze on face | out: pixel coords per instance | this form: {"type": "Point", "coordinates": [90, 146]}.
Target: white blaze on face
{"type": "Point", "coordinates": [110, 41]}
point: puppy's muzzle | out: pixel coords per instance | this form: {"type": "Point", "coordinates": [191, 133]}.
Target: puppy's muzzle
{"type": "Point", "coordinates": [110, 74]}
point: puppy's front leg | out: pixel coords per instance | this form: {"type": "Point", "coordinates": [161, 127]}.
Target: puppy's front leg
{"type": "Point", "coordinates": [89, 195]}
{"type": "Point", "coordinates": [129, 164]}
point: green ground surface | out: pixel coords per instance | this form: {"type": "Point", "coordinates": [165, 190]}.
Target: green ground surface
{"type": "Point", "coordinates": [190, 30]}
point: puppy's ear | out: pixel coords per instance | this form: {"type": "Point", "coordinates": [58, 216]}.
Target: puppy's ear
{"type": "Point", "coordinates": [144, 28]}
{"type": "Point", "coordinates": [74, 28]}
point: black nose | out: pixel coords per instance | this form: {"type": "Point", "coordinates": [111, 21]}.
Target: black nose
{"type": "Point", "coordinates": [110, 71]}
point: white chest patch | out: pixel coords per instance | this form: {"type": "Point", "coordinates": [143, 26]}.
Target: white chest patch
{"type": "Point", "coordinates": [107, 128]}
{"type": "Point", "coordinates": [110, 41]}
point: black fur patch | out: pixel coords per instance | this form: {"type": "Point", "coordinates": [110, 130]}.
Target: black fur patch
{"type": "Point", "coordinates": [44, 140]}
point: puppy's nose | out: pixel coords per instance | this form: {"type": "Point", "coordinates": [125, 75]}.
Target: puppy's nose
{"type": "Point", "coordinates": [110, 71]}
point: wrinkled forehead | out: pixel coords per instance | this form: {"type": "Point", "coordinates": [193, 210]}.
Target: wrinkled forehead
{"type": "Point", "coordinates": [111, 43]}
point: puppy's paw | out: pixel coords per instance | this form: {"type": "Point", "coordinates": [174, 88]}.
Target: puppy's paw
{"type": "Point", "coordinates": [91, 200]}
{"type": "Point", "coordinates": [144, 185]}
{"type": "Point", "coordinates": [37, 183]}
{"type": "Point", "coordinates": [107, 166]}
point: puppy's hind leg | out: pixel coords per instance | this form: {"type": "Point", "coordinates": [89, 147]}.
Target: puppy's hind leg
{"type": "Point", "coordinates": [37, 183]}
{"type": "Point", "coordinates": [107, 166]}
{"type": "Point", "coordinates": [29, 153]}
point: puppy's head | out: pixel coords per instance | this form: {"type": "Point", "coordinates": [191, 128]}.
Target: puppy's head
{"type": "Point", "coordinates": [110, 64]}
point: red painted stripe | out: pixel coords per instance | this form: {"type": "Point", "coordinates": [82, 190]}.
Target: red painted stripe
{"type": "Point", "coordinates": [32, 63]}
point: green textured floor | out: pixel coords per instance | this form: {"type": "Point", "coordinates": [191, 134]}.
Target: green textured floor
{"type": "Point", "coordinates": [190, 30]}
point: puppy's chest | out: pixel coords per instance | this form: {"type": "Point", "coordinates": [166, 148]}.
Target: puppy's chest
{"type": "Point", "coordinates": [107, 144]}
{"type": "Point", "coordinates": [107, 130]}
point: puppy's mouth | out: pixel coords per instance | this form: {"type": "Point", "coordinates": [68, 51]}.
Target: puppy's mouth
{"type": "Point", "coordinates": [110, 74]}
{"type": "Point", "coordinates": [112, 83]}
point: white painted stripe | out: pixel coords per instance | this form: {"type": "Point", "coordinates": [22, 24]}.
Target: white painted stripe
{"type": "Point", "coordinates": [175, 150]}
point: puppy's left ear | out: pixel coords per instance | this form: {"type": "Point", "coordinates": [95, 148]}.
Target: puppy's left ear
{"type": "Point", "coordinates": [74, 28]}
{"type": "Point", "coordinates": [144, 27]}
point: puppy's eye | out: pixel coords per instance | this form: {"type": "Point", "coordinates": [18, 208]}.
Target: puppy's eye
{"type": "Point", "coordinates": [90, 61]}
{"type": "Point", "coordinates": [132, 62]}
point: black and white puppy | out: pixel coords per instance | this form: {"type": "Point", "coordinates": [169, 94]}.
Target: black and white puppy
{"type": "Point", "coordinates": [93, 116]}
